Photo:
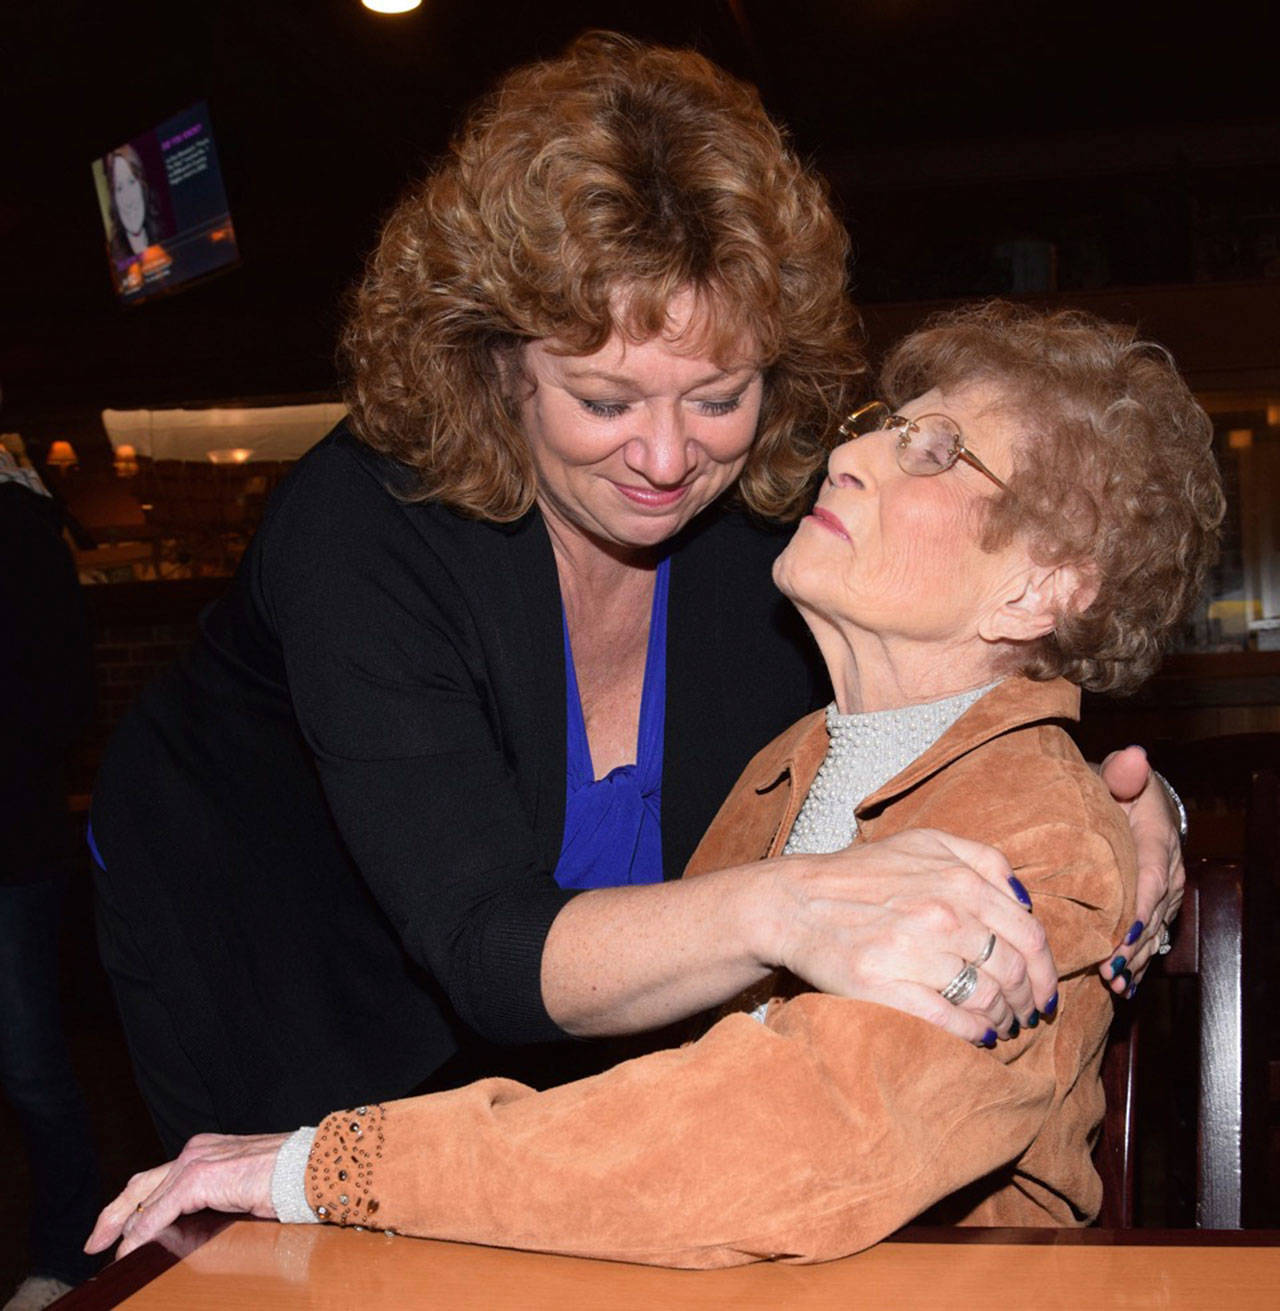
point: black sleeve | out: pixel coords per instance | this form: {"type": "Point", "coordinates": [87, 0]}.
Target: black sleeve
{"type": "Point", "coordinates": [388, 685]}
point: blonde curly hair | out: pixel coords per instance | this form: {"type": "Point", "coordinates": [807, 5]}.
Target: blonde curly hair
{"type": "Point", "coordinates": [1114, 472]}
{"type": "Point", "coordinates": [578, 200]}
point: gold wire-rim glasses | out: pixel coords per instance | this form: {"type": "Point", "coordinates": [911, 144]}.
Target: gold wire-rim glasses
{"type": "Point", "coordinates": [943, 444]}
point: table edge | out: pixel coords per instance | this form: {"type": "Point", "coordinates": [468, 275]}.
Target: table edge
{"type": "Point", "coordinates": [123, 1278]}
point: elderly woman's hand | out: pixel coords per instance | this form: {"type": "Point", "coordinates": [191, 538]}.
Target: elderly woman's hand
{"type": "Point", "coordinates": [226, 1172]}
{"type": "Point", "coordinates": [1161, 873]}
{"type": "Point", "coordinates": [894, 921]}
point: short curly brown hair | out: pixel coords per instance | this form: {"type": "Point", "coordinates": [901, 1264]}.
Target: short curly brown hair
{"type": "Point", "coordinates": [579, 198]}
{"type": "Point", "coordinates": [1114, 472]}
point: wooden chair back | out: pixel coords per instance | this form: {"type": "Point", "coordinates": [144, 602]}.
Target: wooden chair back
{"type": "Point", "coordinates": [1222, 942]}
{"type": "Point", "coordinates": [1215, 776]}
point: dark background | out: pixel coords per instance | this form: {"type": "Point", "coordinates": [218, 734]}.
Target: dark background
{"type": "Point", "coordinates": [1143, 140]}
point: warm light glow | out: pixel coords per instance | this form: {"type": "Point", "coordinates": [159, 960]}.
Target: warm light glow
{"type": "Point", "coordinates": [1240, 439]}
{"type": "Point", "coordinates": [61, 455]}
{"type": "Point", "coordinates": [126, 461]}
{"type": "Point", "coordinates": [1273, 415]}
{"type": "Point", "coordinates": [155, 259]}
{"type": "Point", "coordinates": [229, 455]}
{"type": "Point", "coordinates": [391, 6]}
{"type": "Point", "coordinates": [272, 432]}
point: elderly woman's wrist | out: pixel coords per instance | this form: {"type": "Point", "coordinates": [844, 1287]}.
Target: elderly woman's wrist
{"type": "Point", "coordinates": [288, 1179]}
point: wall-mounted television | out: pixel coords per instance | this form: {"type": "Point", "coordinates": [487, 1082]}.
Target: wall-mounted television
{"type": "Point", "coordinates": [164, 208]}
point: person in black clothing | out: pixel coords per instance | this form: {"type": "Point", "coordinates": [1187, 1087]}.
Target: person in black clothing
{"type": "Point", "coordinates": [46, 684]}
{"type": "Point", "coordinates": [384, 812]}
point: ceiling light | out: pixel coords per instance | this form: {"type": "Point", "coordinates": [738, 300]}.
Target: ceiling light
{"type": "Point", "coordinates": [391, 6]}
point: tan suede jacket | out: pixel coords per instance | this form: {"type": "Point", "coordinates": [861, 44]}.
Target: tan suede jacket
{"type": "Point", "coordinates": [825, 1128]}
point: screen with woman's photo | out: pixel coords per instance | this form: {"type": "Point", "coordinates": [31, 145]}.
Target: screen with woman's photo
{"type": "Point", "coordinates": [164, 208]}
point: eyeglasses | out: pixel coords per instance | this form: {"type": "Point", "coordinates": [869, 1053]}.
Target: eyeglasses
{"type": "Point", "coordinates": [927, 444]}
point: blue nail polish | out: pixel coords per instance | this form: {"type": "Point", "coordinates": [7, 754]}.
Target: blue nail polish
{"type": "Point", "coordinates": [1019, 891]}
{"type": "Point", "coordinates": [1032, 1020]}
{"type": "Point", "coordinates": [1132, 992]}
{"type": "Point", "coordinates": [989, 1038]}
{"type": "Point", "coordinates": [1117, 965]}
{"type": "Point", "coordinates": [1051, 1006]}
{"type": "Point", "coordinates": [1135, 932]}
{"type": "Point", "coordinates": [1014, 1029]}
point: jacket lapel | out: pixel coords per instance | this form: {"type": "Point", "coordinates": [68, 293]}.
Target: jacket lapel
{"type": "Point", "coordinates": [1013, 703]}
{"type": "Point", "coordinates": [757, 819]}
{"type": "Point", "coordinates": [802, 751]}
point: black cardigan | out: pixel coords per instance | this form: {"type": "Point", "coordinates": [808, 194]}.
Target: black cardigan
{"type": "Point", "coordinates": [335, 822]}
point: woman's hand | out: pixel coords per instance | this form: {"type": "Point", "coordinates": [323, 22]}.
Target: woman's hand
{"type": "Point", "coordinates": [1161, 873]}
{"type": "Point", "coordinates": [894, 921]}
{"type": "Point", "coordinates": [227, 1172]}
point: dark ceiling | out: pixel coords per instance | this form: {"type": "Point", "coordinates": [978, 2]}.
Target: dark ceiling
{"type": "Point", "coordinates": [322, 112]}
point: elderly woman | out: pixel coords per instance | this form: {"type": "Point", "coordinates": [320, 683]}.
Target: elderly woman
{"type": "Point", "coordinates": [504, 642]}
{"type": "Point", "coordinates": [1033, 511]}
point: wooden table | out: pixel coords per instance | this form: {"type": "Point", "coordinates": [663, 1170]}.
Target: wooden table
{"type": "Point", "coordinates": [210, 1263]}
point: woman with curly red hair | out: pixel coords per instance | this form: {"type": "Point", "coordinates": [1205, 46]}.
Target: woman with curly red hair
{"type": "Point", "coordinates": [505, 640]}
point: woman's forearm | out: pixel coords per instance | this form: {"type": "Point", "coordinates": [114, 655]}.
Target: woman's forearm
{"type": "Point", "coordinates": [625, 960]}
{"type": "Point", "coordinates": [887, 921]}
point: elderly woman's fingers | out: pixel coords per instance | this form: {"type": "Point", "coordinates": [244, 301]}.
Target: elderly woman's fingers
{"type": "Point", "coordinates": [157, 1213]}
{"type": "Point", "coordinates": [1129, 962]}
{"type": "Point", "coordinates": [1154, 822]}
{"type": "Point", "coordinates": [114, 1216]}
{"type": "Point", "coordinates": [1126, 773]}
{"type": "Point", "coordinates": [227, 1172]}
{"type": "Point", "coordinates": [1161, 879]}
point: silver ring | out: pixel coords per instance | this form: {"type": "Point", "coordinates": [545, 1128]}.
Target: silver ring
{"type": "Point", "coordinates": [963, 986]}
{"type": "Point", "coordinates": [985, 954]}
{"type": "Point", "coordinates": [1166, 946]}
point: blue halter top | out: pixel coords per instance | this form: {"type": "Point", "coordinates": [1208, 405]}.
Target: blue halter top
{"type": "Point", "coordinates": [613, 825]}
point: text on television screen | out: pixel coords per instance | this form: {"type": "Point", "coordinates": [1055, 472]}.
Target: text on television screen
{"type": "Point", "coordinates": [164, 207]}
